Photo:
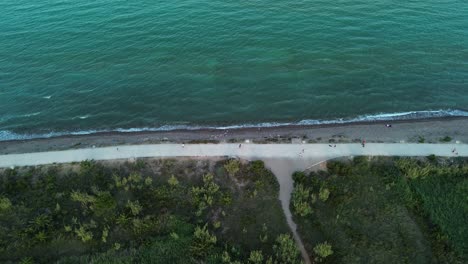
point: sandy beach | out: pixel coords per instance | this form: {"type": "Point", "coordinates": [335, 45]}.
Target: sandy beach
{"type": "Point", "coordinates": [410, 131]}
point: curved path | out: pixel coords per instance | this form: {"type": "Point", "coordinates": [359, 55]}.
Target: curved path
{"type": "Point", "coordinates": [282, 159]}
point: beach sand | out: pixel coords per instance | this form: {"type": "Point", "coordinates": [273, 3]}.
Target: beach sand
{"type": "Point", "coordinates": [431, 130]}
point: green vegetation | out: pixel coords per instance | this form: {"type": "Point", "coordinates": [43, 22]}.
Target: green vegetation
{"type": "Point", "coordinates": [445, 139]}
{"type": "Point", "coordinates": [322, 250]}
{"type": "Point", "coordinates": [153, 211]}
{"type": "Point", "coordinates": [384, 210]}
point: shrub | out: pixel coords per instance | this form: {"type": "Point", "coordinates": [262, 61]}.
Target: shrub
{"type": "Point", "coordinates": [300, 198]}
{"type": "Point", "coordinates": [421, 139]}
{"type": "Point", "coordinates": [338, 168]}
{"type": "Point", "coordinates": [202, 242]}
{"type": "Point", "coordinates": [285, 250]}
{"type": "Point", "coordinates": [432, 158]}
{"type": "Point", "coordinates": [5, 204]}
{"type": "Point", "coordinates": [299, 177]}
{"type": "Point", "coordinates": [173, 182]}
{"type": "Point", "coordinates": [324, 194]}
{"type": "Point", "coordinates": [445, 139]}
{"type": "Point", "coordinates": [232, 167]}
{"type": "Point", "coordinates": [256, 257]}
{"type": "Point", "coordinates": [323, 250]}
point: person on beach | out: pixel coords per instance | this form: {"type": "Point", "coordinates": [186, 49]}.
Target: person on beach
{"type": "Point", "coordinates": [240, 145]}
{"type": "Point", "coordinates": [363, 143]}
{"type": "Point", "coordinates": [388, 125]}
{"type": "Point", "coordinates": [183, 145]}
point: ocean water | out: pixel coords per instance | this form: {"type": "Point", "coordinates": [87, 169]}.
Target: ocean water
{"type": "Point", "coordinates": [81, 66]}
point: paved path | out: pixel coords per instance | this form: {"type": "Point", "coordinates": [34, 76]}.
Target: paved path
{"type": "Point", "coordinates": [248, 151]}
{"type": "Point", "coordinates": [282, 159]}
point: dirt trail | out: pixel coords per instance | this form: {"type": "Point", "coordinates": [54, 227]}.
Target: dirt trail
{"type": "Point", "coordinates": [283, 170]}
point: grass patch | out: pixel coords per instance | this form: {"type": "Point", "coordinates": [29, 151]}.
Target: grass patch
{"type": "Point", "coordinates": [384, 210]}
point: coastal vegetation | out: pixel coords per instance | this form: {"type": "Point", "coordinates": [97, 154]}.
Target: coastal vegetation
{"type": "Point", "coordinates": [144, 211]}
{"type": "Point", "coordinates": [384, 210]}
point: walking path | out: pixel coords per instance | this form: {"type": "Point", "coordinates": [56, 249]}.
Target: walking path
{"type": "Point", "coordinates": [282, 159]}
{"type": "Point", "coordinates": [248, 151]}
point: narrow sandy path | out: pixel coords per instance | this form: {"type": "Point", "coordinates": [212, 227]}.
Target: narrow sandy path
{"type": "Point", "coordinates": [283, 168]}
{"type": "Point", "coordinates": [282, 159]}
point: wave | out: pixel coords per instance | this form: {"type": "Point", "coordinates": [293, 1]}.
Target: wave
{"type": "Point", "coordinates": [32, 114]}
{"type": "Point", "coordinates": [82, 117]}
{"type": "Point", "coordinates": [9, 117]}
{"type": "Point", "coordinates": [47, 97]}
{"type": "Point", "coordinates": [412, 115]}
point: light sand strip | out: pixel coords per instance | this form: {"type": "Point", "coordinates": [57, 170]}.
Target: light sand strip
{"type": "Point", "coordinates": [248, 151]}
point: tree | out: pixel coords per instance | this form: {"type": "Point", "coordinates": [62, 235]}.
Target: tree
{"type": "Point", "coordinates": [256, 257]}
{"type": "Point", "coordinates": [135, 207]}
{"type": "Point", "coordinates": [299, 177]}
{"type": "Point", "coordinates": [202, 242]}
{"type": "Point", "coordinates": [104, 204]}
{"type": "Point", "coordinates": [285, 250]}
{"type": "Point", "coordinates": [324, 194]}
{"type": "Point", "coordinates": [232, 167]}
{"type": "Point", "coordinates": [5, 204]}
{"type": "Point", "coordinates": [300, 198]}
{"type": "Point", "coordinates": [26, 260]}
{"type": "Point", "coordinates": [173, 182]}
{"type": "Point", "coordinates": [85, 199]}
{"type": "Point", "coordinates": [40, 237]}
{"type": "Point", "coordinates": [323, 250]}
{"type": "Point", "coordinates": [205, 196]}
{"type": "Point", "coordinates": [84, 234]}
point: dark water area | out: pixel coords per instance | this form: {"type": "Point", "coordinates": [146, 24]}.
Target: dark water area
{"type": "Point", "coordinates": [84, 66]}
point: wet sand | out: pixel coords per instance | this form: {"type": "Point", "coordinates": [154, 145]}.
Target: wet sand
{"type": "Point", "coordinates": [431, 130]}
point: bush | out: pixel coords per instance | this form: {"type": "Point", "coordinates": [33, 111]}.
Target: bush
{"type": "Point", "coordinates": [445, 139]}
{"type": "Point", "coordinates": [299, 177]}
{"type": "Point", "coordinates": [432, 158]}
{"type": "Point", "coordinates": [323, 250]}
{"type": "Point", "coordinates": [232, 167]}
{"type": "Point", "coordinates": [324, 194]}
{"type": "Point", "coordinates": [338, 168]}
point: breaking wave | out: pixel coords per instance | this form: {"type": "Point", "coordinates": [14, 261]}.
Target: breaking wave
{"type": "Point", "coordinates": [412, 115]}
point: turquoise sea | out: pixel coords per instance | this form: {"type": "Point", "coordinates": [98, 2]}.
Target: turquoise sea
{"type": "Point", "coordinates": [78, 66]}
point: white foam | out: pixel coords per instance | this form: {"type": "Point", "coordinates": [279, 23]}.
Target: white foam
{"type": "Point", "coordinates": [32, 114]}
{"type": "Point", "coordinates": [8, 135]}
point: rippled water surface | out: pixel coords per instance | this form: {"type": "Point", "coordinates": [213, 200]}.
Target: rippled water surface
{"type": "Point", "coordinates": [102, 65]}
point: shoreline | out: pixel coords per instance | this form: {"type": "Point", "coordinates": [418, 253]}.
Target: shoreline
{"type": "Point", "coordinates": [431, 130]}
{"type": "Point", "coordinates": [412, 116]}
